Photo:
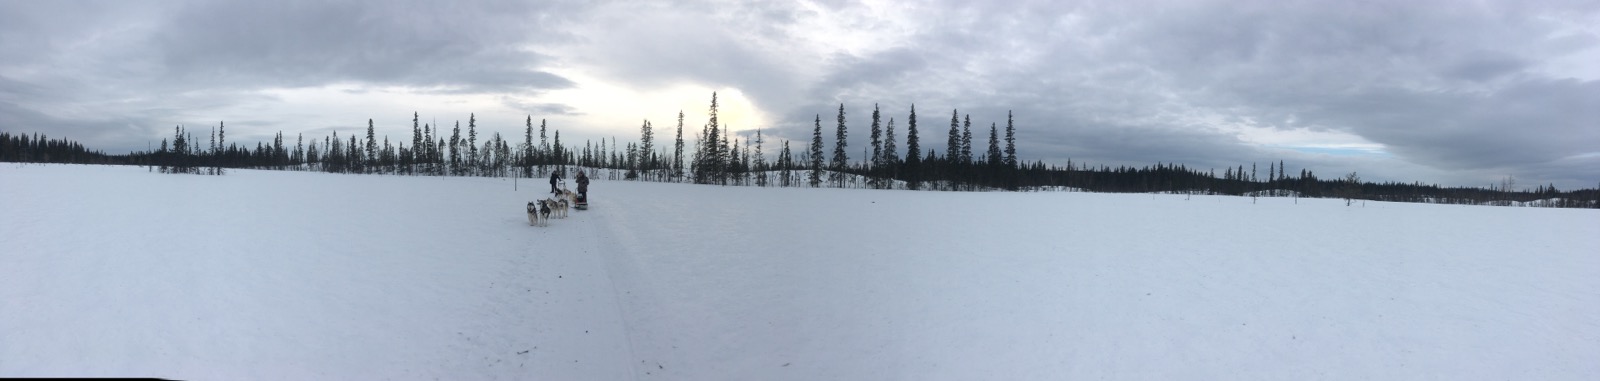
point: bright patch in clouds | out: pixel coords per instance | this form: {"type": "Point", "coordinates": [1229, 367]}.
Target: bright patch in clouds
{"type": "Point", "coordinates": [1308, 140]}
{"type": "Point", "coordinates": [620, 109]}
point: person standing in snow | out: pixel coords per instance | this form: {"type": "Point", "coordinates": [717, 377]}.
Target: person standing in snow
{"type": "Point", "coordinates": [583, 185]}
{"type": "Point", "coordinates": [555, 177]}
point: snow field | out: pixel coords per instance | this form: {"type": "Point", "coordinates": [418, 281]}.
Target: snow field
{"type": "Point", "coordinates": [261, 274]}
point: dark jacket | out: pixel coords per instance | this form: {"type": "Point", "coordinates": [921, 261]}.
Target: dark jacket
{"type": "Point", "coordinates": [583, 183]}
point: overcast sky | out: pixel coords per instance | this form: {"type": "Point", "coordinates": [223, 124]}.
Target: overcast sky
{"type": "Point", "coordinates": [1447, 92]}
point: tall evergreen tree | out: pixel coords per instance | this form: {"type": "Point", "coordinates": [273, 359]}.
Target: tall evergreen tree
{"type": "Point", "coordinates": [890, 151]}
{"type": "Point", "coordinates": [646, 146]}
{"type": "Point", "coordinates": [215, 158]}
{"type": "Point", "coordinates": [527, 148]}
{"type": "Point", "coordinates": [1011, 142]}
{"type": "Point", "coordinates": [355, 153]}
{"type": "Point", "coordinates": [994, 147]}
{"type": "Point", "coordinates": [875, 161]}
{"type": "Point", "coordinates": [760, 162]}
{"type": "Point", "coordinates": [966, 140]}
{"type": "Point", "coordinates": [455, 149]}
{"type": "Point", "coordinates": [542, 154]}
{"type": "Point", "coordinates": [913, 164]}
{"type": "Point", "coordinates": [677, 150]}
{"type": "Point", "coordinates": [279, 156]}
{"type": "Point", "coordinates": [841, 159]}
{"type": "Point", "coordinates": [180, 151]}
{"type": "Point", "coordinates": [430, 151]}
{"type": "Point", "coordinates": [222, 138]}
{"type": "Point", "coordinates": [714, 158]}
{"type": "Point", "coordinates": [557, 151]}
{"type": "Point", "coordinates": [372, 146]}
{"type": "Point", "coordinates": [785, 162]}
{"type": "Point", "coordinates": [816, 153]}
{"type": "Point", "coordinates": [473, 161]}
{"type": "Point", "coordinates": [708, 168]}
{"type": "Point", "coordinates": [416, 140]}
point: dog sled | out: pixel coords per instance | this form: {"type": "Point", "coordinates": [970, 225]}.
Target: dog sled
{"type": "Point", "coordinates": [582, 201]}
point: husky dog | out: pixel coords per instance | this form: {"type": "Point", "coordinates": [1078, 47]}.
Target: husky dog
{"type": "Point", "coordinates": [533, 214]}
{"type": "Point", "coordinates": [544, 212]}
{"type": "Point", "coordinates": [558, 207]}
{"type": "Point", "coordinates": [568, 196]}
{"type": "Point", "coordinates": [563, 206]}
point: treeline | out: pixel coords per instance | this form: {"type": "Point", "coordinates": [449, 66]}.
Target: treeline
{"type": "Point", "coordinates": [22, 148]}
{"type": "Point", "coordinates": [723, 158]}
{"type": "Point", "coordinates": [429, 153]}
{"type": "Point", "coordinates": [1278, 182]}
{"type": "Point", "coordinates": [726, 160]}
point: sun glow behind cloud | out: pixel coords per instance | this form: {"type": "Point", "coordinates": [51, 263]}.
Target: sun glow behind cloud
{"type": "Point", "coordinates": [620, 109]}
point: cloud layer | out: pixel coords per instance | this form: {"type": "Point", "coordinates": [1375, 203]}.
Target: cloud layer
{"type": "Point", "coordinates": [1446, 92]}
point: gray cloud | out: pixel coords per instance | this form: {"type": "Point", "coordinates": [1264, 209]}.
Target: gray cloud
{"type": "Point", "coordinates": [472, 47]}
{"type": "Point", "coordinates": [1439, 85]}
{"type": "Point", "coordinates": [1461, 92]}
{"type": "Point", "coordinates": [149, 66]}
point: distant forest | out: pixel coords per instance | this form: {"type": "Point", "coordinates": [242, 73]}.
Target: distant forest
{"type": "Point", "coordinates": [722, 159]}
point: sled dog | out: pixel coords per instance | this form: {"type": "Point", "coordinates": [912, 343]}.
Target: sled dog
{"type": "Point", "coordinates": [544, 212]}
{"type": "Point", "coordinates": [533, 214]}
{"type": "Point", "coordinates": [558, 207]}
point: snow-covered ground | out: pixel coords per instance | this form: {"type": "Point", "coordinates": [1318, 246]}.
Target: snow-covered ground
{"type": "Point", "coordinates": [115, 271]}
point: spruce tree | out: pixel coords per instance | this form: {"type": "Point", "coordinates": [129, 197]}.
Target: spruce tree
{"type": "Point", "coordinates": [527, 148]}
{"type": "Point", "coordinates": [544, 146]}
{"type": "Point", "coordinates": [372, 146]}
{"type": "Point", "coordinates": [713, 136]}
{"type": "Point", "coordinates": [816, 153]}
{"type": "Point", "coordinates": [455, 149]}
{"type": "Point", "coordinates": [646, 146]}
{"type": "Point", "coordinates": [222, 138]}
{"type": "Point", "coordinates": [354, 151]}
{"type": "Point", "coordinates": [840, 156]}
{"type": "Point", "coordinates": [994, 158]}
{"type": "Point", "coordinates": [473, 161]}
{"type": "Point", "coordinates": [913, 171]}
{"type": "Point", "coordinates": [558, 152]}
{"type": "Point", "coordinates": [785, 162]}
{"type": "Point", "coordinates": [542, 155]}
{"type": "Point", "coordinates": [875, 161]}
{"type": "Point", "coordinates": [416, 141]}
{"type": "Point", "coordinates": [1011, 143]}
{"type": "Point", "coordinates": [891, 157]}
{"type": "Point", "coordinates": [677, 150]}
{"type": "Point", "coordinates": [760, 162]}
{"type": "Point", "coordinates": [429, 150]}
{"type": "Point", "coordinates": [966, 140]}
